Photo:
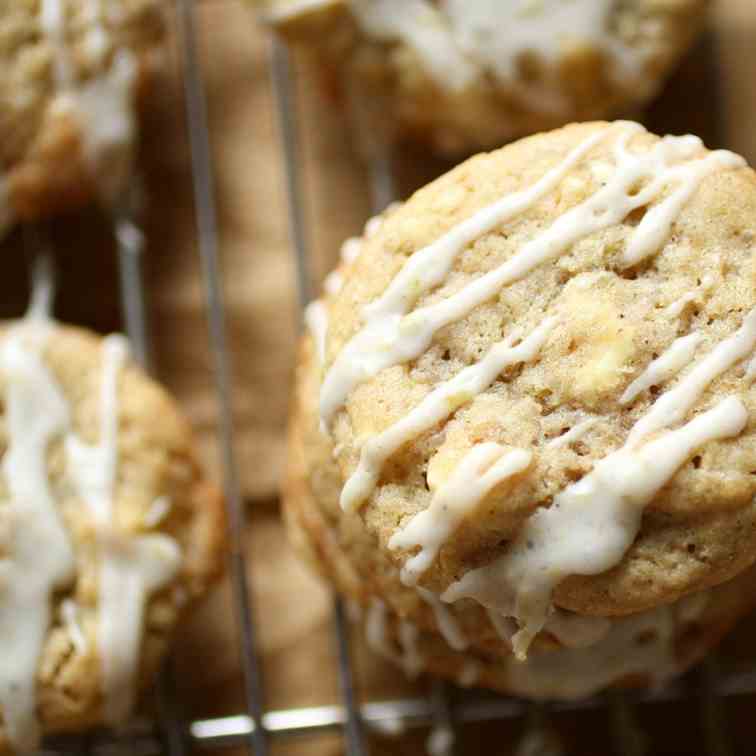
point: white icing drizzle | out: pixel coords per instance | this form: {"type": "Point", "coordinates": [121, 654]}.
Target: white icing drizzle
{"type": "Point", "coordinates": [425, 269]}
{"type": "Point", "coordinates": [389, 337]}
{"type": "Point", "coordinates": [640, 644]}
{"type": "Point", "coordinates": [480, 470]}
{"type": "Point", "coordinates": [411, 660]}
{"type": "Point", "coordinates": [69, 613]}
{"type": "Point", "coordinates": [419, 25]}
{"type": "Point", "coordinates": [38, 559]}
{"type": "Point", "coordinates": [591, 523]}
{"type": "Point", "coordinates": [103, 105]}
{"type": "Point", "coordinates": [576, 630]}
{"type": "Point", "coordinates": [158, 511]}
{"type": "Point", "coordinates": [316, 319]}
{"type": "Point", "coordinates": [469, 674]}
{"type": "Point", "coordinates": [445, 620]}
{"type": "Point", "coordinates": [43, 290]}
{"type": "Point", "coordinates": [750, 372]}
{"type": "Point", "coordinates": [673, 310]}
{"type": "Point", "coordinates": [673, 405]}
{"type": "Point", "coordinates": [459, 42]}
{"type": "Point", "coordinates": [573, 434]}
{"type": "Point", "coordinates": [52, 20]}
{"type": "Point", "coordinates": [441, 402]}
{"type": "Point", "coordinates": [664, 367]}
{"type": "Point", "coordinates": [132, 567]}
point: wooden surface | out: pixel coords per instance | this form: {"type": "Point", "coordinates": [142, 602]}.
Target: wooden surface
{"type": "Point", "coordinates": [714, 95]}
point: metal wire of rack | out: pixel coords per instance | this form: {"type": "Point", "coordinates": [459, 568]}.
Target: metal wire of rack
{"type": "Point", "coordinates": [255, 728]}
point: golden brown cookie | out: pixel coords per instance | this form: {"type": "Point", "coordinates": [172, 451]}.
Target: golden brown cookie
{"type": "Point", "coordinates": [108, 529]}
{"type": "Point", "coordinates": [418, 632]}
{"type": "Point", "coordinates": [538, 377]}
{"type": "Point", "coordinates": [71, 73]}
{"type": "Point", "coordinates": [475, 73]}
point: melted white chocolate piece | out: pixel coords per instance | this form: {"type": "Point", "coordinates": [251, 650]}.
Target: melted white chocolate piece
{"type": "Point", "coordinates": [481, 469]}
{"type": "Point", "coordinates": [443, 401]}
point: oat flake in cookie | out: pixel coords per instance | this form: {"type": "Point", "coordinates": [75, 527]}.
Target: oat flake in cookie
{"type": "Point", "coordinates": [475, 73]}
{"type": "Point", "coordinates": [71, 75]}
{"type": "Point", "coordinates": [537, 380]}
{"type": "Point", "coordinates": [108, 529]}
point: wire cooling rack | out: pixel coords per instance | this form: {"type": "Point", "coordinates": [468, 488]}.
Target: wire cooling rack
{"type": "Point", "coordinates": [254, 730]}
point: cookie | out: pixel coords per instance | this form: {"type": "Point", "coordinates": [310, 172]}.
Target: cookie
{"type": "Point", "coordinates": [414, 629]}
{"type": "Point", "coordinates": [71, 75]}
{"type": "Point", "coordinates": [464, 74]}
{"type": "Point", "coordinates": [537, 375]}
{"type": "Point", "coordinates": [108, 529]}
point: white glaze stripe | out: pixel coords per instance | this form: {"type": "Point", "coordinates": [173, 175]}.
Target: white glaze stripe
{"type": "Point", "coordinates": [439, 404]}
{"type": "Point", "coordinates": [316, 319]}
{"type": "Point", "coordinates": [388, 338]}
{"type": "Point", "coordinates": [673, 310]}
{"type": "Point", "coordinates": [412, 660]}
{"type": "Point", "coordinates": [674, 404]}
{"type": "Point", "coordinates": [590, 524]}
{"type": "Point", "coordinates": [423, 270]}
{"type": "Point", "coordinates": [573, 434]}
{"type": "Point", "coordinates": [131, 566]}
{"type": "Point", "coordinates": [480, 470]}
{"type": "Point", "coordinates": [671, 362]}
{"type": "Point", "coordinates": [37, 558]}
{"type": "Point", "coordinates": [102, 105]}
{"type": "Point", "coordinates": [445, 621]}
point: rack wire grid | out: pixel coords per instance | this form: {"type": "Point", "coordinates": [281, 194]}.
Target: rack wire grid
{"type": "Point", "coordinates": [254, 730]}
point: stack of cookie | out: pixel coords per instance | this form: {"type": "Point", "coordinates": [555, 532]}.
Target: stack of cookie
{"type": "Point", "coordinates": [522, 439]}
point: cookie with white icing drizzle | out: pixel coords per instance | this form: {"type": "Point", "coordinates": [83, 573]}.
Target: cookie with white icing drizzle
{"type": "Point", "coordinates": [413, 628]}
{"type": "Point", "coordinates": [72, 73]}
{"type": "Point", "coordinates": [521, 297]}
{"type": "Point", "coordinates": [476, 73]}
{"type": "Point", "coordinates": [107, 529]}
